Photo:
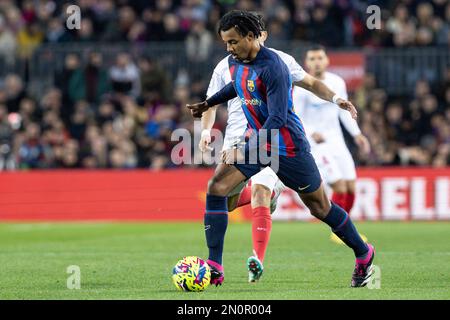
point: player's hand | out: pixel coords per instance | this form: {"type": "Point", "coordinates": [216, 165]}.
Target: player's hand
{"type": "Point", "coordinates": [347, 105]}
{"type": "Point", "coordinates": [197, 109]}
{"type": "Point", "coordinates": [232, 156]}
{"type": "Point", "coordinates": [363, 144]}
{"type": "Point", "coordinates": [317, 137]}
{"type": "Point", "coordinates": [205, 141]}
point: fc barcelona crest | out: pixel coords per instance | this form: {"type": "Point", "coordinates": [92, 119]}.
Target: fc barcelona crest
{"type": "Point", "coordinates": [251, 85]}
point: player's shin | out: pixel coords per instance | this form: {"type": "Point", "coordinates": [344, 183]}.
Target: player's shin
{"type": "Point", "coordinates": [261, 229]}
{"type": "Point", "coordinates": [343, 227]}
{"type": "Point", "coordinates": [216, 222]}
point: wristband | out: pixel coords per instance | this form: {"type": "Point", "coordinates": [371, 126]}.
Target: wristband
{"type": "Point", "coordinates": [335, 98]}
{"type": "Point", "coordinates": [205, 132]}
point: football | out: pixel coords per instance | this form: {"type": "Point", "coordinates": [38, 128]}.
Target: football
{"type": "Point", "coordinates": [191, 274]}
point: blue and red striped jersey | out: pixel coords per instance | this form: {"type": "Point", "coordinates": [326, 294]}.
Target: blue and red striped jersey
{"type": "Point", "coordinates": [264, 86]}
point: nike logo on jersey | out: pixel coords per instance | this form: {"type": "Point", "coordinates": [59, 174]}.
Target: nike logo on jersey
{"type": "Point", "coordinates": [207, 227]}
{"type": "Point", "coordinates": [301, 189]}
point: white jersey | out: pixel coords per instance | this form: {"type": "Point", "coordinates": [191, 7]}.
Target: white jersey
{"type": "Point", "coordinates": [237, 122]}
{"type": "Point", "coordinates": [318, 115]}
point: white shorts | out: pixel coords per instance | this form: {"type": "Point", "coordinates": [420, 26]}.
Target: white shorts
{"type": "Point", "coordinates": [334, 163]}
{"type": "Point", "coordinates": [231, 141]}
{"type": "Point", "coordinates": [265, 177]}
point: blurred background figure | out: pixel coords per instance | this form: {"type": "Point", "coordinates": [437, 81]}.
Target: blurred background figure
{"type": "Point", "coordinates": [124, 76]}
{"type": "Point", "coordinates": [6, 141]}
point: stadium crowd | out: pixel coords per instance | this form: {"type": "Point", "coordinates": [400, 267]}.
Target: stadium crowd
{"type": "Point", "coordinates": [122, 115]}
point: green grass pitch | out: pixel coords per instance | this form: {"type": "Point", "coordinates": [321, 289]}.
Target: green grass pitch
{"type": "Point", "coordinates": [134, 261]}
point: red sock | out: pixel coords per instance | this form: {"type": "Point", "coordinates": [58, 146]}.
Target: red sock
{"type": "Point", "coordinates": [340, 199]}
{"type": "Point", "coordinates": [350, 200]}
{"type": "Point", "coordinates": [245, 197]}
{"type": "Point", "coordinates": [261, 228]}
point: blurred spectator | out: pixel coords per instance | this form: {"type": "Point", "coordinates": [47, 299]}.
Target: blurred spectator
{"type": "Point", "coordinates": [323, 27]}
{"type": "Point", "coordinates": [119, 30]}
{"type": "Point", "coordinates": [198, 42]}
{"type": "Point", "coordinates": [63, 77]}
{"type": "Point", "coordinates": [6, 141]}
{"type": "Point", "coordinates": [7, 43]}
{"type": "Point", "coordinates": [33, 153]}
{"type": "Point", "coordinates": [28, 39]}
{"type": "Point", "coordinates": [124, 76]}
{"type": "Point", "coordinates": [86, 31]}
{"type": "Point", "coordinates": [56, 32]}
{"type": "Point", "coordinates": [15, 92]}
{"type": "Point", "coordinates": [88, 83]}
{"type": "Point", "coordinates": [155, 83]}
{"type": "Point", "coordinates": [28, 12]}
{"type": "Point", "coordinates": [172, 30]}
{"type": "Point", "coordinates": [401, 26]}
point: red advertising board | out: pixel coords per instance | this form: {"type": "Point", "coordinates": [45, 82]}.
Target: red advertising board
{"type": "Point", "coordinates": [382, 194]}
{"type": "Point", "coordinates": [387, 194]}
{"type": "Point", "coordinates": [350, 66]}
{"type": "Point", "coordinates": [103, 195]}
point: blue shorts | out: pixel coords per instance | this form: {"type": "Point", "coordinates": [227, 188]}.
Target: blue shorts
{"type": "Point", "coordinates": [300, 173]}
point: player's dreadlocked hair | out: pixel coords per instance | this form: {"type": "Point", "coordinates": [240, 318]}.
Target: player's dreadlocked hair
{"type": "Point", "coordinates": [243, 21]}
{"type": "Point", "coordinates": [262, 24]}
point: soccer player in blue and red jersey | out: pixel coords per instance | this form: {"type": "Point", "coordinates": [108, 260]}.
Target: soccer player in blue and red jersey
{"type": "Point", "coordinates": [263, 83]}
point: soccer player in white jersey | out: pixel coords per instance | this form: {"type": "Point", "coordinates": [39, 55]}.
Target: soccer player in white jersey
{"type": "Point", "coordinates": [321, 121]}
{"type": "Point", "coordinates": [265, 186]}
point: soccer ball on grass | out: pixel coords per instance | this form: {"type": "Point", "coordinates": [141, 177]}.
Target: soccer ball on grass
{"type": "Point", "coordinates": [191, 274]}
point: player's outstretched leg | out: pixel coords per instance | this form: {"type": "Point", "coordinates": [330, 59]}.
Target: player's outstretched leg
{"type": "Point", "coordinates": [343, 227]}
{"type": "Point", "coordinates": [225, 178]}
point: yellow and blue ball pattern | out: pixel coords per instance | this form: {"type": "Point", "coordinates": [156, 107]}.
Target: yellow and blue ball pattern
{"type": "Point", "coordinates": [191, 274]}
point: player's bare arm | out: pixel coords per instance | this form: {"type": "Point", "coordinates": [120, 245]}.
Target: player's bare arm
{"type": "Point", "coordinates": [363, 143]}
{"type": "Point", "coordinates": [207, 122]}
{"type": "Point", "coordinates": [321, 90]}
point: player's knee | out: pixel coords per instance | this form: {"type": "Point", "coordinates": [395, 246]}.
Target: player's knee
{"type": "Point", "coordinates": [217, 187]}
{"type": "Point", "coordinates": [319, 205]}
{"type": "Point", "coordinates": [351, 186]}
{"type": "Point", "coordinates": [320, 209]}
{"type": "Point", "coordinates": [339, 186]}
{"type": "Point", "coordinates": [260, 196]}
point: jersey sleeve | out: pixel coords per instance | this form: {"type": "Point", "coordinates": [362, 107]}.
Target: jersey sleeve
{"type": "Point", "coordinates": [226, 93]}
{"type": "Point", "coordinates": [297, 72]}
{"type": "Point", "coordinates": [345, 117]}
{"type": "Point", "coordinates": [300, 104]}
{"type": "Point", "coordinates": [215, 84]}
